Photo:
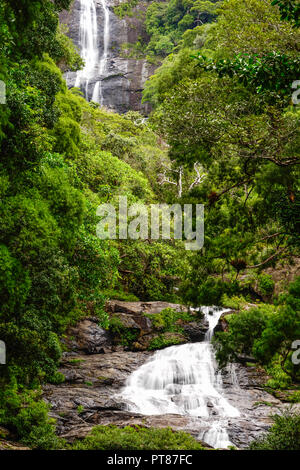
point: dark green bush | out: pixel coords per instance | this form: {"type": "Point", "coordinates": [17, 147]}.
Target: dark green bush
{"type": "Point", "coordinates": [162, 341]}
{"type": "Point", "coordinates": [169, 320]}
{"type": "Point", "coordinates": [122, 334]}
{"type": "Point", "coordinates": [136, 438]}
{"type": "Point", "coordinates": [26, 415]}
{"type": "Point", "coordinates": [283, 435]}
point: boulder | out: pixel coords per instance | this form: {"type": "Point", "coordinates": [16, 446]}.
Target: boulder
{"type": "Point", "coordinates": [195, 331]}
{"type": "Point", "coordinates": [88, 337]}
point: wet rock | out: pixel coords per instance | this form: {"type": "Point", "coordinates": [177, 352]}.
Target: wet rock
{"type": "Point", "coordinates": [91, 397]}
{"type": "Point", "coordinates": [91, 382]}
{"type": "Point", "coordinates": [91, 394]}
{"type": "Point", "coordinates": [138, 322]}
{"type": "Point", "coordinates": [88, 337]}
{"type": "Point", "coordinates": [195, 331]}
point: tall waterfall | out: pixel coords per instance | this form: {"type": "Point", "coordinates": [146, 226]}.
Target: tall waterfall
{"type": "Point", "coordinates": [184, 380]}
{"type": "Point", "coordinates": [97, 94]}
{"type": "Point", "coordinates": [95, 65]}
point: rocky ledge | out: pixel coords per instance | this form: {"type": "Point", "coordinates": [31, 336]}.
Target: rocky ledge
{"type": "Point", "coordinates": [134, 317]}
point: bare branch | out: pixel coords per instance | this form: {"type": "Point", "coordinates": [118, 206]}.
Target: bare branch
{"type": "Point", "coordinates": [267, 260]}
{"type": "Point", "coordinates": [199, 178]}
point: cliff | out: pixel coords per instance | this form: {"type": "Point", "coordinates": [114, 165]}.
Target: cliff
{"type": "Point", "coordinates": [110, 77]}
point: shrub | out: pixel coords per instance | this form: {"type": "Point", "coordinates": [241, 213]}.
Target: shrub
{"type": "Point", "coordinates": [121, 333]}
{"type": "Point", "coordinates": [283, 435]}
{"type": "Point", "coordinates": [163, 341]}
{"type": "Point", "coordinates": [235, 302]}
{"type": "Point", "coordinates": [136, 438]}
{"type": "Point", "coordinates": [244, 329]}
{"type": "Point", "coordinates": [169, 320]}
{"type": "Point", "coordinates": [26, 415]}
{"type": "Point", "coordinates": [266, 284]}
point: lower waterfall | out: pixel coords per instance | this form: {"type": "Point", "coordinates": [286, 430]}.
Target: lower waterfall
{"type": "Point", "coordinates": [184, 380]}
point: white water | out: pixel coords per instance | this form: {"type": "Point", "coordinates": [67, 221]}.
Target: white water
{"type": "Point", "coordinates": [98, 94]}
{"type": "Point", "coordinates": [95, 66]}
{"type": "Point", "coordinates": [184, 380]}
{"type": "Point", "coordinates": [88, 43]}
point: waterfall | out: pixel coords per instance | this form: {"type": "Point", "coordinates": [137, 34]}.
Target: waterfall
{"type": "Point", "coordinates": [89, 36]}
{"type": "Point", "coordinates": [184, 380]}
{"type": "Point", "coordinates": [88, 43]}
{"type": "Point", "coordinates": [98, 93]}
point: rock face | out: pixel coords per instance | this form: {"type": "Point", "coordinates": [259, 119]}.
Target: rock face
{"type": "Point", "coordinates": [123, 77]}
{"type": "Point", "coordinates": [139, 308]}
{"type": "Point", "coordinates": [136, 316]}
{"type": "Point", "coordinates": [195, 331]}
{"type": "Point", "coordinates": [88, 337]}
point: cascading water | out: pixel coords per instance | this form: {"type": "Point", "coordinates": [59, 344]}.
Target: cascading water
{"type": "Point", "coordinates": [184, 380]}
{"type": "Point", "coordinates": [98, 94]}
{"type": "Point", "coordinates": [95, 66]}
{"type": "Point", "coordinates": [88, 43]}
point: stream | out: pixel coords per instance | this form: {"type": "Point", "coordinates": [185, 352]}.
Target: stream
{"type": "Point", "coordinates": [184, 380]}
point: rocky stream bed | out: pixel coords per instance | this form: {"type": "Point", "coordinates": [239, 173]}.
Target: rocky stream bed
{"type": "Point", "coordinates": [96, 370]}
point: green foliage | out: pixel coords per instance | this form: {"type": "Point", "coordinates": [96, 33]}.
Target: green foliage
{"type": "Point", "coordinates": [122, 334]}
{"type": "Point", "coordinates": [270, 74]}
{"type": "Point", "coordinates": [169, 320]}
{"type": "Point", "coordinates": [26, 415]}
{"type": "Point", "coordinates": [280, 379]}
{"type": "Point", "coordinates": [283, 435]}
{"type": "Point", "coordinates": [120, 295]}
{"type": "Point", "coordinates": [136, 438]}
{"type": "Point", "coordinates": [231, 119]}
{"type": "Point", "coordinates": [289, 10]}
{"type": "Point", "coordinates": [294, 397]}
{"type": "Point", "coordinates": [60, 158]}
{"type": "Point", "coordinates": [266, 284]}
{"type": "Point", "coordinates": [236, 302]}
{"type": "Point", "coordinates": [162, 341]}
{"type": "Point", "coordinates": [125, 8]}
{"type": "Point", "coordinates": [244, 329]}
{"type": "Point", "coordinates": [64, 52]}
{"type": "Point", "coordinates": [266, 333]}
{"type": "Point", "coordinates": [281, 330]}
{"type": "Point", "coordinates": [153, 269]}
{"type": "Point", "coordinates": [167, 21]}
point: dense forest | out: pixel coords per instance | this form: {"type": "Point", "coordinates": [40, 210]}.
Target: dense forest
{"type": "Point", "coordinates": [224, 132]}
